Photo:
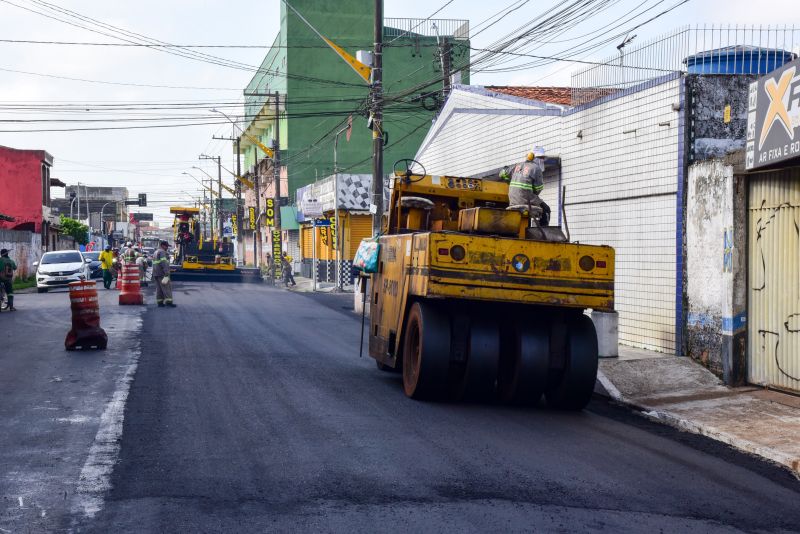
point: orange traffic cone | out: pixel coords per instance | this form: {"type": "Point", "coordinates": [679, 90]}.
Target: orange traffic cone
{"type": "Point", "coordinates": [86, 332]}
{"type": "Point", "coordinates": [131, 293]}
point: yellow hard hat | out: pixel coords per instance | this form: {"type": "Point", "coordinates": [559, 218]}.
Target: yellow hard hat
{"type": "Point", "coordinates": [529, 157]}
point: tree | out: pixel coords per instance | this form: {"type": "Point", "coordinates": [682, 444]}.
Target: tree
{"type": "Point", "coordinates": [75, 229]}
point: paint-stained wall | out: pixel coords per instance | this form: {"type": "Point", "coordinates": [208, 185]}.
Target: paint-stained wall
{"type": "Point", "coordinates": [716, 289]}
{"type": "Point", "coordinates": [24, 248]}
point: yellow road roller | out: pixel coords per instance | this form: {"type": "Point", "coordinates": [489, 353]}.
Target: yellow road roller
{"type": "Point", "coordinates": [473, 299]}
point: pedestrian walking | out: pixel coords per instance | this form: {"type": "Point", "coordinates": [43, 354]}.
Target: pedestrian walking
{"type": "Point", "coordinates": [286, 266]}
{"type": "Point", "coordinates": [161, 276]}
{"type": "Point", "coordinates": [7, 268]}
{"type": "Point", "coordinates": [107, 265]}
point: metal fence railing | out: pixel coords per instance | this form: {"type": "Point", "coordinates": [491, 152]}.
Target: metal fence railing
{"type": "Point", "coordinates": [702, 50]}
{"type": "Point", "coordinates": [395, 28]}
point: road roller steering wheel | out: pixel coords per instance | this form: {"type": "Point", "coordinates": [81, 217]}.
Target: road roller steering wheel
{"type": "Point", "coordinates": [407, 174]}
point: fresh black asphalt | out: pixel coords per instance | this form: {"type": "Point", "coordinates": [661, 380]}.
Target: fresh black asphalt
{"type": "Point", "coordinates": [251, 411]}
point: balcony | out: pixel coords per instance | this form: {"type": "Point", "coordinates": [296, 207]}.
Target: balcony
{"type": "Point", "coordinates": [455, 28]}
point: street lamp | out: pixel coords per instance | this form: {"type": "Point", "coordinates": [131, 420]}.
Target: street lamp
{"type": "Point", "coordinates": [102, 210]}
{"type": "Point", "coordinates": [218, 159]}
{"type": "Point", "coordinates": [336, 208]}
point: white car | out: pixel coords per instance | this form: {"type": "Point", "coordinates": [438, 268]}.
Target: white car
{"type": "Point", "coordinates": [60, 268]}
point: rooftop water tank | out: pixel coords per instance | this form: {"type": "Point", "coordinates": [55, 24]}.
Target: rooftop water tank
{"type": "Point", "coordinates": [740, 59]}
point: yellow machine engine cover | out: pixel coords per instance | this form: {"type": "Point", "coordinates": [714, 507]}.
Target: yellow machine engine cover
{"type": "Point", "coordinates": [489, 221]}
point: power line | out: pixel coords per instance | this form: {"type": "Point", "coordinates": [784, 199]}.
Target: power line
{"type": "Point", "coordinates": [143, 45]}
{"type": "Point", "coordinates": [129, 84]}
{"type": "Point", "coordinates": [90, 24]}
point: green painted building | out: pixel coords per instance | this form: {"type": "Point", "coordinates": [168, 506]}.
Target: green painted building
{"type": "Point", "coordinates": [318, 91]}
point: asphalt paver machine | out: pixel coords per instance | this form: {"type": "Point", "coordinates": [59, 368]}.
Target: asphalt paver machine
{"type": "Point", "coordinates": [204, 260]}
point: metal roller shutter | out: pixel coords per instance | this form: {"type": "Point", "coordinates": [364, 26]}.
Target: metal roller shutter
{"type": "Point", "coordinates": [308, 242]}
{"type": "Point", "coordinates": [360, 228]}
{"type": "Point", "coordinates": [774, 280]}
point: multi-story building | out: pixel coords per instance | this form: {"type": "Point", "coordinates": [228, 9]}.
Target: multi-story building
{"type": "Point", "coordinates": [25, 182]}
{"type": "Point", "coordinates": [84, 203]}
{"type": "Point", "coordinates": [319, 94]}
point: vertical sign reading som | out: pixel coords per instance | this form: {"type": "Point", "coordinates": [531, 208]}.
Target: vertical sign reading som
{"type": "Point", "coordinates": [269, 213]}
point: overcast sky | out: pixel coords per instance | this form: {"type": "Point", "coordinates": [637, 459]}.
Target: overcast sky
{"type": "Point", "coordinates": [152, 160]}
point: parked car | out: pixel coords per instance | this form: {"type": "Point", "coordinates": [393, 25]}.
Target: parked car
{"type": "Point", "coordinates": [95, 270]}
{"type": "Point", "coordinates": [60, 268]}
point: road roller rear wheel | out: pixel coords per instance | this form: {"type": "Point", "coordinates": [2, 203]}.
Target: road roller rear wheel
{"type": "Point", "coordinates": [426, 352]}
{"type": "Point", "coordinates": [483, 356]}
{"type": "Point", "coordinates": [526, 378]}
{"type": "Point", "coordinates": [574, 388]}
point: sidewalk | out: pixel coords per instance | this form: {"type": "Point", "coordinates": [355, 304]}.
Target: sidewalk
{"type": "Point", "coordinates": [679, 392]}
{"type": "Point", "coordinates": [306, 285]}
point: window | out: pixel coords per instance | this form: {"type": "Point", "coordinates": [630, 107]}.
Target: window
{"type": "Point", "coordinates": [62, 257]}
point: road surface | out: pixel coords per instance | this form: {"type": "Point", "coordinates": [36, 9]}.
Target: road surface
{"type": "Point", "coordinates": [247, 409]}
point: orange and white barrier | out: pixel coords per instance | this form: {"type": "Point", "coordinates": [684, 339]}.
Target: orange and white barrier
{"type": "Point", "coordinates": [86, 332]}
{"type": "Point", "coordinates": [131, 293]}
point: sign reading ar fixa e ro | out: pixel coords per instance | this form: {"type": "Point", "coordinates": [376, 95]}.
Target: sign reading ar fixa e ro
{"type": "Point", "coordinates": [773, 119]}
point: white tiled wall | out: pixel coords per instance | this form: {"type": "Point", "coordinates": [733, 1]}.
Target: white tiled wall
{"type": "Point", "coordinates": [621, 175]}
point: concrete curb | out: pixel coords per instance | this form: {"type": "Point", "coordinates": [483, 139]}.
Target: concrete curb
{"type": "Point", "coordinates": [778, 457]}
{"type": "Point", "coordinates": [662, 416]}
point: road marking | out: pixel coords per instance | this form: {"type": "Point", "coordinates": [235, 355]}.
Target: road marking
{"type": "Point", "coordinates": [95, 477]}
{"type": "Point", "coordinates": [20, 502]}
{"type": "Point", "coordinates": [76, 419]}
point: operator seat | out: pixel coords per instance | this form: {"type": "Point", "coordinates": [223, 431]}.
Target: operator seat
{"type": "Point", "coordinates": [418, 209]}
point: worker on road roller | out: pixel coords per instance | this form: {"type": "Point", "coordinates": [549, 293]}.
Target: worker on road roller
{"type": "Point", "coordinates": [527, 181]}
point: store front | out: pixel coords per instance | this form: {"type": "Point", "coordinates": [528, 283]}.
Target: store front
{"type": "Point", "coordinates": [319, 235]}
{"type": "Point", "coordinates": [773, 163]}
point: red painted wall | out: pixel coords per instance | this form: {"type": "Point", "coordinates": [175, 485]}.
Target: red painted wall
{"type": "Point", "coordinates": [21, 187]}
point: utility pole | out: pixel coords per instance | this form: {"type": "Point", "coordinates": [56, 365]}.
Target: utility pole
{"type": "Point", "coordinates": [239, 207]}
{"type": "Point", "coordinates": [257, 229]}
{"type": "Point", "coordinates": [86, 190]}
{"type": "Point", "coordinates": [205, 208]}
{"type": "Point", "coordinates": [211, 214]}
{"type": "Point", "coordinates": [276, 177]}
{"type": "Point", "coordinates": [377, 123]}
{"type": "Point", "coordinates": [446, 69]}
{"type": "Point", "coordinates": [219, 196]}
{"type": "Point", "coordinates": [443, 49]}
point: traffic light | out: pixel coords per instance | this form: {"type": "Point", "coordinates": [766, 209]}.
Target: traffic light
{"type": "Point", "coordinates": [142, 200]}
